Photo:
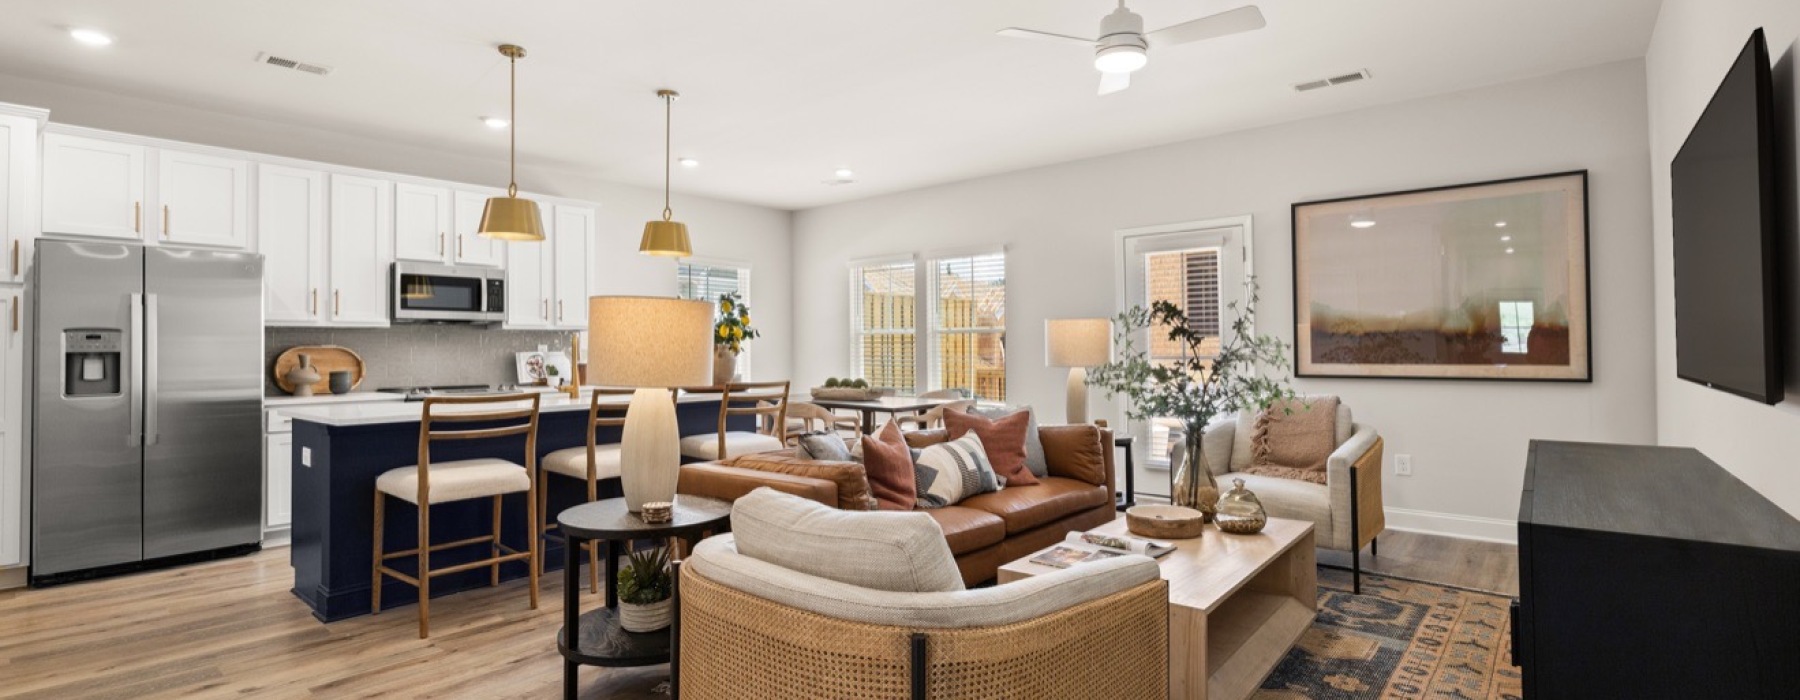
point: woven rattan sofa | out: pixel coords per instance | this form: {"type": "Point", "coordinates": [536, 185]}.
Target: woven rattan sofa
{"type": "Point", "coordinates": [983, 532]}
{"type": "Point", "coordinates": [844, 604]}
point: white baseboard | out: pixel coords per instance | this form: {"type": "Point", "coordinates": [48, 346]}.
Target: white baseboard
{"type": "Point", "coordinates": [1467, 527]}
{"type": "Point", "coordinates": [13, 578]}
{"type": "Point", "coordinates": [279, 537]}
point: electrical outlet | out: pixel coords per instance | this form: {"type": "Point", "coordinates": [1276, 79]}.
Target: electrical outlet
{"type": "Point", "coordinates": [1402, 465]}
{"type": "Point", "coordinates": [306, 456]}
{"type": "Point", "coordinates": [543, 348]}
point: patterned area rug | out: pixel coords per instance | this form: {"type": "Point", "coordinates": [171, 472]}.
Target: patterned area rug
{"type": "Point", "coordinates": [1399, 639]}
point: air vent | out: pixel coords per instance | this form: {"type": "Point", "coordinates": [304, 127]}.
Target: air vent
{"type": "Point", "coordinates": [301, 66]}
{"type": "Point", "coordinates": [1332, 81]}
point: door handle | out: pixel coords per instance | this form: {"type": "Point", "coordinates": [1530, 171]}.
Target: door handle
{"type": "Point", "coordinates": [337, 302]}
{"type": "Point", "coordinates": [135, 406]}
{"type": "Point", "coordinates": [151, 383]}
{"type": "Point", "coordinates": [137, 217]}
{"type": "Point", "coordinates": [165, 222]}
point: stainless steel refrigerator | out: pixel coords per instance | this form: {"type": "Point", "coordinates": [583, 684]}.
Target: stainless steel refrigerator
{"type": "Point", "coordinates": [146, 407]}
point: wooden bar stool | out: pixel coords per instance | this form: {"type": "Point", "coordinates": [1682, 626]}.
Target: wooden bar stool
{"type": "Point", "coordinates": [761, 399]}
{"type": "Point", "coordinates": [426, 483]}
{"type": "Point", "coordinates": [592, 462]}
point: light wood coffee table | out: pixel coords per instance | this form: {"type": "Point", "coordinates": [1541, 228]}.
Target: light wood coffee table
{"type": "Point", "coordinates": [1237, 603]}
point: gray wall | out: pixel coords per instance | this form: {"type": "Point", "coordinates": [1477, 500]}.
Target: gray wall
{"type": "Point", "coordinates": [418, 355]}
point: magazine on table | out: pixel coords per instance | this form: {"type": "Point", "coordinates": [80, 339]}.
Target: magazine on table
{"type": "Point", "coordinates": [1081, 547]}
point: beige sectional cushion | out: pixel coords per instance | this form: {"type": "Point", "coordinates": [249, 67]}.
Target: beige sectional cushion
{"type": "Point", "coordinates": [573, 461]}
{"type": "Point", "coordinates": [456, 481]}
{"type": "Point", "coordinates": [706, 445]}
{"type": "Point", "coordinates": [883, 550]}
{"type": "Point", "coordinates": [720, 560]}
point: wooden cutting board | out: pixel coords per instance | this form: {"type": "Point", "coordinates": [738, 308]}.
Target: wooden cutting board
{"type": "Point", "coordinates": [326, 359]}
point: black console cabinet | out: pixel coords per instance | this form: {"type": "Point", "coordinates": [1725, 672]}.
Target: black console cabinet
{"type": "Point", "coordinates": [1651, 572]}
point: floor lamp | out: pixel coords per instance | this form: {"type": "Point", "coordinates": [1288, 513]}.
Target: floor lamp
{"type": "Point", "coordinates": [651, 344]}
{"type": "Point", "coordinates": [1077, 343]}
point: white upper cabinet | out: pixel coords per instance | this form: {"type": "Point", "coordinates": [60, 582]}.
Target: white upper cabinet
{"type": "Point", "coordinates": [205, 200]}
{"type": "Point", "coordinates": [361, 249]}
{"type": "Point", "coordinates": [530, 282]}
{"type": "Point", "coordinates": [470, 247]}
{"type": "Point", "coordinates": [291, 235]}
{"type": "Point", "coordinates": [422, 222]}
{"type": "Point", "coordinates": [18, 178]}
{"type": "Point", "coordinates": [574, 228]}
{"type": "Point", "coordinates": [93, 187]}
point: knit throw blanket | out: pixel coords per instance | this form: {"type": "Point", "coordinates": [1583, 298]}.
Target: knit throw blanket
{"type": "Point", "coordinates": [1294, 438]}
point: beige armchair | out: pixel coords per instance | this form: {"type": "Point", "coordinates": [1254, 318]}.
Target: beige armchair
{"type": "Point", "coordinates": [1346, 511]}
{"type": "Point", "coordinates": [803, 600]}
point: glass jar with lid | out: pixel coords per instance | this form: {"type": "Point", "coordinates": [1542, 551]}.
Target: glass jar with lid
{"type": "Point", "coordinates": [1240, 512]}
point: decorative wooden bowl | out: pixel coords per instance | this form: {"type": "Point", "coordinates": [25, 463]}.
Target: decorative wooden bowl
{"type": "Point", "coordinates": [1165, 522]}
{"type": "Point", "coordinates": [847, 394]}
{"type": "Point", "coordinates": [325, 358]}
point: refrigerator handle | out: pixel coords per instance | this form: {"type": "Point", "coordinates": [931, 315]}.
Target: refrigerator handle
{"type": "Point", "coordinates": [135, 406]}
{"type": "Point", "coordinates": [152, 338]}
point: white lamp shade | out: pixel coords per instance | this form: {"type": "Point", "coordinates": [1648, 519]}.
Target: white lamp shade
{"type": "Point", "coordinates": [1077, 342]}
{"type": "Point", "coordinates": [649, 342]}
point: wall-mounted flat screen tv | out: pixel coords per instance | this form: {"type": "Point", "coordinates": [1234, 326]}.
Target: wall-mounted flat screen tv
{"type": "Point", "coordinates": [1727, 225]}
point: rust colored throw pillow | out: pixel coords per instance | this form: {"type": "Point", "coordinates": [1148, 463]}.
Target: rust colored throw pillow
{"type": "Point", "coordinates": [888, 462]}
{"type": "Point", "coordinates": [1003, 438]}
{"type": "Point", "coordinates": [1293, 439]}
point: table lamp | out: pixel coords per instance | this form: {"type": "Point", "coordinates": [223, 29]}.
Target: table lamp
{"type": "Point", "coordinates": [1077, 343]}
{"type": "Point", "coordinates": [650, 344]}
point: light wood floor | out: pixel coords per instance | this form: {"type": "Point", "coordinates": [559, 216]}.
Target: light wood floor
{"type": "Point", "coordinates": [231, 629]}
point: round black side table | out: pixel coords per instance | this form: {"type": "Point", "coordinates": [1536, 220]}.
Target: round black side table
{"type": "Point", "coordinates": [598, 640]}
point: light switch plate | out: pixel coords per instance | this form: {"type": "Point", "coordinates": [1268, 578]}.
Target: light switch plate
{"type": "Point", "coordinates": [306, 456]}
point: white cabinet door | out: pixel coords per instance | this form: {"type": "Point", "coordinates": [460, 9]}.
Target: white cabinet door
{"type": "Point", "coordinates": [18, 172]}
{"type": "Point", "coordinates": [361, 246]}
{"type": "Point", "coordinates": [290, 234]}
{"type": "Point", "coordinates": [574, 228]}
{"type": "Point", "coordinates": [421, 223]}
{"type": "Point", "coordinates": [278, 480]}
{"type": "Point", "coordinates": [205, 200]}
{"type": "Point", "coordinates": [12, 469]}
{"type": "Point", "coordinates": [530, 279]}
{"type": "Point", "coordinates": [471, 248]}
{"type": "Point", "coordinates": [93, 187]}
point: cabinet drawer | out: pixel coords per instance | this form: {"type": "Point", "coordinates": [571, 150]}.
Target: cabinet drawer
{"type": "Point", "coordinates": [277, 422]}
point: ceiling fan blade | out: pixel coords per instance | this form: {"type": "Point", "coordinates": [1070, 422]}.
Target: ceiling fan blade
{"type": "Point", "coordinates": [1018, 33]}
{"type": "Point", "coordinates": [1244, 19]}
{"type": "Point", "coordinates": [1114, 82]}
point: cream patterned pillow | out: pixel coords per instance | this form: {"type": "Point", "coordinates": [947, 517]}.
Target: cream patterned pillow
{"type": "Point", "coordinates": [949, 472]}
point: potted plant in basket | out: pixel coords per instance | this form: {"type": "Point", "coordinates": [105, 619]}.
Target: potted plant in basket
{"type": "Point", "coordinates": [646, 591]}
{"type": "Point", "coordinates": [730, 333]}
{"type": "Point", "coordinates": [1248, 372]}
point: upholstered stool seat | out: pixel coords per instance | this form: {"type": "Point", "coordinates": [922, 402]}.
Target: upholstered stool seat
{"type": "Point", "coordinates": [456, 481]}
{"type": "Point", "coordinates": [572, 462]}
{"type": "Point", "coordinates": [706, 445]}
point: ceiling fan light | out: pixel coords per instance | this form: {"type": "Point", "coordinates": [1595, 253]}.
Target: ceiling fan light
{"type": "Point", "coordinates": [1121, 59]}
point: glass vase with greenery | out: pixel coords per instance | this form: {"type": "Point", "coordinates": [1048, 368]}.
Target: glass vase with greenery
{"type": "Point", "coordinates": [1247, 372]}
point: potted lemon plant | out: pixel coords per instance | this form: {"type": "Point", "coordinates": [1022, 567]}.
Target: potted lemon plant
{"type": "Point", "coordinates": [730, 332]}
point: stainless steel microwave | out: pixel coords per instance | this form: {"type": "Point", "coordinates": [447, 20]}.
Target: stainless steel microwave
{"type": "Point", "coordinates": [426, 293]}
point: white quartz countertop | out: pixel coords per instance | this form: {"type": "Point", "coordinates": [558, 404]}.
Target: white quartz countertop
{"type": "Point", "coordinates": [320, 399]}
{"type": "Point", "coordinates": [375, 413]}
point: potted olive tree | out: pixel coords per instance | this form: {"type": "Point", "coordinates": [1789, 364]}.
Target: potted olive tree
{"type": "Point", "coordinates": [646, 591]}
{"type": "Point", "coordinates": [1247, 372]}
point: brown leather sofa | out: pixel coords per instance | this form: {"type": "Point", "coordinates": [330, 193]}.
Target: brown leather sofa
{"type": "Point", "coordinates": [984, 531]}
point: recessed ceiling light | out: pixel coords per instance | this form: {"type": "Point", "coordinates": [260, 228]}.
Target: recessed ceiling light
{"type": "Point", "coordinates": [844, 173]}
{"type": "Point", "coordinates": [496, 123]}
{"type": "Point", "coordinates": [1499, 224]}
{"type": "Point", "coordinates": [91, 37]}
{"type": "Point", "coordinates": [1505, 239]}
{"type": "Point", "coordinates": [1362, 223]}
{"type": "Point", "coordinates": [1509, 251]}
{"type": "Point", "coordinates": [689, 163]}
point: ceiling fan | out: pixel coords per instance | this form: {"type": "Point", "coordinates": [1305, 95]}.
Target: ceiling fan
{"type": "Point", "coordinates": [1123, 46]}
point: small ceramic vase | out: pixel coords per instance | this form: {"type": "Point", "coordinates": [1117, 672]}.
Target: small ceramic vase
{"type": "Point", "coordinates": [303, 377]}
{"type": "Point", "coordinates": [340, 382]}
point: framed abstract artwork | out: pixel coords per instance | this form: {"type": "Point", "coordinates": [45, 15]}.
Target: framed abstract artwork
{"type": "Point", "coordinates": [1480, 281]}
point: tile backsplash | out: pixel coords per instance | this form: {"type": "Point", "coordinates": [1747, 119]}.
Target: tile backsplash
{"type": "Point", "coordinates": [418, 354]}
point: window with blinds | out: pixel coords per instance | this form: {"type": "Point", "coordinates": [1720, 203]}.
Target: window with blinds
{"type": "Point", "coordinates": [704, 282]}
{"type": "Point", "coordinates": [968, 296]}
{"type": "Point", "coordinates": [884, 330]}
{"type": "Point", "coordinates": [1189, 279]}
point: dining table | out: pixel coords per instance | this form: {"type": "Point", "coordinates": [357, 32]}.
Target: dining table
{"type": "Point", "coordinates": [890, 405]}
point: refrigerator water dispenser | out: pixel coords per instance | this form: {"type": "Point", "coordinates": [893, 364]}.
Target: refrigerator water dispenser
{"type": "Point", "coordinates": [91, 362]}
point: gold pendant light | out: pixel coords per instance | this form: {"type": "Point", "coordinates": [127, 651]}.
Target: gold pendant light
{"type": "Point", "coordinates": [667, 238]}
{"type": "Point", "coordinates": [512, 218]}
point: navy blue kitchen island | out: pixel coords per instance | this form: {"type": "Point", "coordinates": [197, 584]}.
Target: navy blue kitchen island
{"type": "Point", "coordinates": [340, 449]}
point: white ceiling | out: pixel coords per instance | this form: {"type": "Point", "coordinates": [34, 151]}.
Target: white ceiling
{"type": "Point", "coordinates": [779, 93]}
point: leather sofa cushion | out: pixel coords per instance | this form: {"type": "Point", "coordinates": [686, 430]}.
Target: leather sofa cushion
{"type": "Point", "coordinates": [852, 482]}
{"type": "Point", "coordinates": [1026, 507]}
{"type": "Point", "coordinates": [714, 480]}
{"type": "Point", "coordinates": [1074, 452]}
{"type": "Point", "coordinates": [921, 439]}
{"type": "Point", "coordinates": [968, 529]}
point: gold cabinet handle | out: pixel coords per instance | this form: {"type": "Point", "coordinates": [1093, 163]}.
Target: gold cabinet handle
{"type": "Point", "coordinates": [459, 252]}
{"type": "Point", "coordinates": [559, 309]}
{"type": "Point", "coordinates": [337, 302]}
{"type": "Point", "coordinates": [15, 258]}
{"type": "Point", "coordinates": [15, 310]}
{"type": "Point", "coordinates": [165, 222]}
{"type": "Point", "coordinates": [315, 302]}
{"type": "Point", "coordinates": [137, 217]}
{"type": "Point", "coordinates": [440, 243]}
{"type": "Point", "coordinates": [546, 308]}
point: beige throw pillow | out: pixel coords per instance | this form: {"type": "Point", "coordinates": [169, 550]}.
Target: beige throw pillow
{"type": "Point", "coordinates": [1293, 439]}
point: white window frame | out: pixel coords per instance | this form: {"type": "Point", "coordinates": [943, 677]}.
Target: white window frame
{"type": "Point", "coordinates": [928, 322]}
{"type": "Point", "coordinates": [854, 287]}
{"type": "Point", "coordinates": [744, 282]}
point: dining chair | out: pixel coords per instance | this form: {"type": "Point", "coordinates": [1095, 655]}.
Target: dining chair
{"type": "Point", "coordinates": [933, 418]}
{"type": "Point", "coordinates": [803, 417]}
{"type": "Point", "coordinates": [767, 401]}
